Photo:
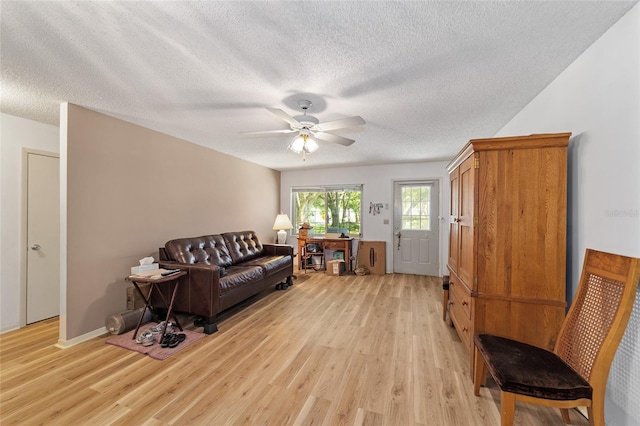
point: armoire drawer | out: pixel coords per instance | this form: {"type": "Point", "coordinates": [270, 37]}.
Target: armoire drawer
{"type": "Point", "coordinates": [460, 297]}
{"type": "Point", "coordinates": [461, 322]}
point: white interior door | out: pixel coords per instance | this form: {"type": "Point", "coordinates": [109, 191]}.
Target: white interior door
{"type": "Point", "coordinates": [43, 237]}
{"type": "Point", "coordinates": [415, 225]}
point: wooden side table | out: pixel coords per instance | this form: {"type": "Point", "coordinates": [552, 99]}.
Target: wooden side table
{"type": "Point", "coordinates": [154, 282]}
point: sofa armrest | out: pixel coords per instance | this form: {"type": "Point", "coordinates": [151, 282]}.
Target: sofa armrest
{"type": "Point", "coordinates": [201, 294]}
{"type": "Point", "coordinates": [278, 249]}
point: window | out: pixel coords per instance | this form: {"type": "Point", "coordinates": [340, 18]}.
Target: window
{"type": "Point", "coordinates": [328, 209]}
{"type": "Point", "coordinates": [416, 207]}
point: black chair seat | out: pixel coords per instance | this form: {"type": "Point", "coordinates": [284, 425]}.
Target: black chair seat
{"type": "Point", "coordinates": [528, 370]}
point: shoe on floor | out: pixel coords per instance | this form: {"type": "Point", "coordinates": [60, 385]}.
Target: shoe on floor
{"type": "Point", "coordinates": [164, 343]}
{"type": "Point", "coordinates": [172, 340]}
{"type": "Point", "coordinates": [157, 329]}
{"type": "Point", "coordinates": [146, 339]}
{"type": "Point", "coordinates": [179, 338]}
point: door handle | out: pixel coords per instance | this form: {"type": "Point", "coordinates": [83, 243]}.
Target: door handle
{"type": "Point", "coordinates": [35, 247]}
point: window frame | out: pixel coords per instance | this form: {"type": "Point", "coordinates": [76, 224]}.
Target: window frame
{"type": "Point", "coordinates": [325, 188]}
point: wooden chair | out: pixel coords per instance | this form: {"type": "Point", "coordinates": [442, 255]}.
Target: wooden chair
{"type": "Point", "coordinates": [575, 373]}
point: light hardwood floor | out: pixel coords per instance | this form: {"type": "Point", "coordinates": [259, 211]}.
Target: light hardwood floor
{"type": "Point", "coordinates": [330, 350]}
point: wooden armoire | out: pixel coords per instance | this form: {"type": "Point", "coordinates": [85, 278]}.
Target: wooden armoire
{"type": "Point", "coordinates": [507, 238]}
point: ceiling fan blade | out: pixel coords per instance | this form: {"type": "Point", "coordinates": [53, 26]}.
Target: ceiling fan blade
{"type": "Point", "coordinates": [334, 138]}
{"type": "Point", "coordinates": [284, 116]}
{"type": "Point", "coordinates": [340, 124]}
{"type": "Point", "coordinates": [268, 132]}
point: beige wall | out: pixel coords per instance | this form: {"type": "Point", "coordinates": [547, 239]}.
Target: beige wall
{"type": "Point", "coordinates": [129, 190]}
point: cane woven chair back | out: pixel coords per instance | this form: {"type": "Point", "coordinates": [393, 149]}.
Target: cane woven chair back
{"type": "Point", "coordinates": [599, 313]}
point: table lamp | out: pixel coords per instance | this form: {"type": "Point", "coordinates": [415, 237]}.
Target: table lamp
{"type": "Point", "coordinates": [281, 224]}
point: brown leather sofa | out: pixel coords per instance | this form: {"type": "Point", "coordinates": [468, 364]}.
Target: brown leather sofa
{"type": "Point", "coordinates": [223, 270]}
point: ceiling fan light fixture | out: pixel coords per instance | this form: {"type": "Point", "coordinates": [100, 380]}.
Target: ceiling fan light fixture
{"type": "Point", "coordinates": [297, 145]}
{"type": "Point", "coordinates": [307, 126]}
{"type": "Point", "coordinates": [303, 144]}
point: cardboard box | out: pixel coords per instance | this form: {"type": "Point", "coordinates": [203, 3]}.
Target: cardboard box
{"type": "Point", "coordinates": [134, 301]}
{"type": "Point", "coordinates": [335, 267]}
{"type": "Point", "coordinates": [372, 255]}
{"type": "Point", "coordinates": [338, 255]}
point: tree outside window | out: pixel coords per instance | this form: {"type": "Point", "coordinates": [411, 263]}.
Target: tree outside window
{"type": "Point", "coordinates": [328, 209]}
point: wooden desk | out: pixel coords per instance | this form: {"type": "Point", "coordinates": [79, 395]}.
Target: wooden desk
{"type": "Point", "coordinates": [343, 244]}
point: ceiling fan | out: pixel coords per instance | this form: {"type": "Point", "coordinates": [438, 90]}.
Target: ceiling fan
{"type": "Point", "coordinates": [309, 128]}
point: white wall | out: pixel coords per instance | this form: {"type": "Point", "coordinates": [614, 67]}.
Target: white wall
{"type": "Point", "coordinates": [598, 99]}
{"type": "Point", "coordinates": [15, 134]}
{"type": "Point", "coordinates": [378, 188]}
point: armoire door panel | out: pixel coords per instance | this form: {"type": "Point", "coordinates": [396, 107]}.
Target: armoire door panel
{"type": "Point", "coordinates": [466, 231]}
{"type": "Point", "coordinates": [454, 243]}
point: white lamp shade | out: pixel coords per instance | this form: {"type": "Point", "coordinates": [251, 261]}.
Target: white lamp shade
{"type": "Point", "coordinates": [297, 145]}
{"type": "Point", "coordinates": [282, 222]}
{"type": "Point", "coordinates": [311, 146]}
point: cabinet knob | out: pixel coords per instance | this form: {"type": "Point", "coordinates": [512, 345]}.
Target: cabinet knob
{"type": "Point", "coordinates": [464, 303]}
{"type": "Point", "coordinates": [465, 329]}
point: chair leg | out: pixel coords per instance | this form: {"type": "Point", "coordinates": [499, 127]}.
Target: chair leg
{"type": "Point", "coordinates": [596, 414]}
{"type": "Point", "coordinates": [564, 412]}
{"type": "Point", "coordinates": [445, 302]}
{"type": "Point", "coordinates": [479, 372]}
{"type": "Point", "coordinates": [508, 408]}
{"type": "Point", "coordinates": [596, 410]}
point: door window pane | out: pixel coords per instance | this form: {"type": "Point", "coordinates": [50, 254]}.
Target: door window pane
{"type": "Point", "coordinates": [416, 207]}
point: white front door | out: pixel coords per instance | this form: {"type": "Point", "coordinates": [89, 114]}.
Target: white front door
{"type": "Point", "coordinates": [43, 237]}
{"type": "Point", "coordinates": [415, 224]}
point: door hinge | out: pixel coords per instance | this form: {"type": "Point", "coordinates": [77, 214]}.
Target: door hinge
{"type": "Point", "coordinates": [475, 221]}
{"type": "Point", "coordinates": [476, 163]}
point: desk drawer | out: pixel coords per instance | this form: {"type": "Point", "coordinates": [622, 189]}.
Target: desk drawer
{"type": "Point", "coordinates": [334, 245]}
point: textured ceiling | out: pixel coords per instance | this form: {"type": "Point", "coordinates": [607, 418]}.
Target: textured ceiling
{"type": "Point", "coordinates": [426, 76]}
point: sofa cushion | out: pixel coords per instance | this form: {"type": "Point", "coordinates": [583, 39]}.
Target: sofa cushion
{"type": "Point", "coordinates": [243, 245]}
{"type": "Point", "coordinates": [208, 249]}
{"type": "Point", "coordinates": [238, 276]}
{"type": "Point", "coordinates": [271, 264]}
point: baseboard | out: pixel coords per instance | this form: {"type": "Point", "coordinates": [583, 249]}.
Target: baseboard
{"type": "Point", "coordinates": [64, 344]}
{"type": "Point", "coordinates": [9, 329]}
